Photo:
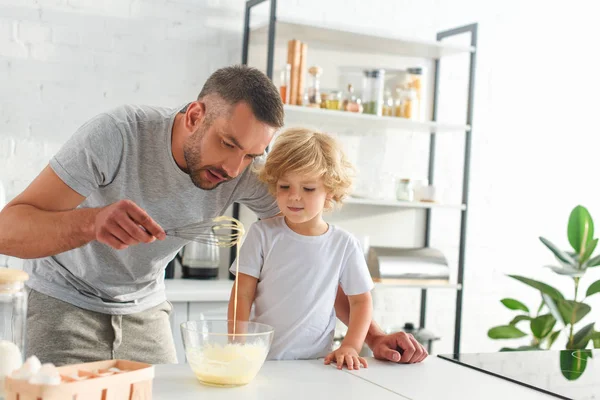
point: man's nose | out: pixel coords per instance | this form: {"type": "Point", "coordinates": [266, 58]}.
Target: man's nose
{"type": "Point", "coordinates": [233, 166]}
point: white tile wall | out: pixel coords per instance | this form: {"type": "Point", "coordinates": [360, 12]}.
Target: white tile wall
{"type": "Point", "coordinates": [535, 132]}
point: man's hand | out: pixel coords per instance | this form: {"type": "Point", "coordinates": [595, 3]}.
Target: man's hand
{"type": "Point", "coordinates": [399, 347]}
{"type": "Point", "coordinates": [123, 224]}
{"type": "Point", "coordinates": [346, 355]}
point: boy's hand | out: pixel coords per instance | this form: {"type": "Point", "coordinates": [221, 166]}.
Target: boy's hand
{"type": "Point", "coordinates": [346, 355]}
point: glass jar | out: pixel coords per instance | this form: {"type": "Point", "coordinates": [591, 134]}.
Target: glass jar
{"type": "Point", "coordinates": [13, 314]}
{"type": "Point", "coordinates": [334, 100]}
{"type": "Point", "coordinates": [313, 90]}
{"type": "Point", "coordinates": [405, 190]}
{"type": "Point", "coordinates": [410, 104]}
{"type": "Point", "coordinates": [372, 96]}
{"type": "Point", "coordinates": [388, 104]}
{"type": "Point", "coordinates": [284, 84]}
{"type": "Point", "coordinates": [415, 83]}
{"type": "Point", "coordinates": [351, 102]}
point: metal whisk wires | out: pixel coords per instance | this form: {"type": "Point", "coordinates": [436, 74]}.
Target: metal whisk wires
{"type": "Point", "coordinates": [220, 231]}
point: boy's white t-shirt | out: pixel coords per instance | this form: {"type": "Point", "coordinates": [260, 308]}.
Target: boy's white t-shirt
{"type": "Point", "coordinates": [298, 277]}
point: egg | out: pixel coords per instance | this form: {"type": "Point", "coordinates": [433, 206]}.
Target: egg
{"type": "Point", "coordinates": [10, 358]}
{"type": "Point", "coordinates": [47, 375]}
{"type": "Point", "coordinates": [31, 367]}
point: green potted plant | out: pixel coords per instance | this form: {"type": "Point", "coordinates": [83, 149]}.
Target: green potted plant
{"type": "Point", "coordinates": [556, 313]}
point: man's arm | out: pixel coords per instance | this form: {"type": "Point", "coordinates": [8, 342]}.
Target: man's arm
{"type": "Point", "coordinates": [43, 221]}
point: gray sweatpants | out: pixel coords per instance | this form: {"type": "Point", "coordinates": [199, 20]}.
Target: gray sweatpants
{"type": "Point", "coordinates": [61, 333]}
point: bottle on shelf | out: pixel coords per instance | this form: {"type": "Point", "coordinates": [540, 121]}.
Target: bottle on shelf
{"type": "Point", "coordinates": [313, 90]}
{"type": "Point", "coordinates": [387, 109]}
{"type": "Point", "coordinates": [284, 83]}
{"type": "Point", "coordinates": [415, 83]}
{"type": "Point", "coordinates": [352, 103]}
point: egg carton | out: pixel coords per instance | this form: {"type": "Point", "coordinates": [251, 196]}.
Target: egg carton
{"type": "Point", "coordinates": [101, 380]}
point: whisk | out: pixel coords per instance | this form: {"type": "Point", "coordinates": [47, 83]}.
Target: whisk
{"type": "Point", "coordinates": [220, 231]}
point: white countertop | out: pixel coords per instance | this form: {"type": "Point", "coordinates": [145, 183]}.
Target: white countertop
{"type": "Point", "coordinates": [184, 290]}
{"type": "Point", "coordinates": [433, 379]}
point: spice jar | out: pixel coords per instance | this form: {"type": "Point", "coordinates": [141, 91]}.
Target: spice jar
{"type": "Point", "coordinates": [334, 100]}
{"type": "Point", "coordinates": [13, 313]}
{"type": "Point", "coordinates": [415, 83]}
{"type": "Point", "coordinates": [405, 190]}
{"type": "Point", "coordinates": [387, 109]}
{"type": "Point", "coordinates": [351, 102]}
{"type": "Point", "coordinates": [313, 91]}
{"type": "Point", "coordinates": [372, 96]}
{"type": "Point", "coordinates": [284, 83]}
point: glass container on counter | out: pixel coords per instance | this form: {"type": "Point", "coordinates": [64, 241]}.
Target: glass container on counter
{"type": "Point", "coordinates": [13, 313]}
{"type": "Point", "coordinates": [313, 91]}
{"type": "Point", "coordinates": [372, 95]}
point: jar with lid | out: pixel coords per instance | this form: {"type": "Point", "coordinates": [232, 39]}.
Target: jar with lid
{"type": "Point", "coordinates": [313, 91]}
{"type": "Point", "coordinates": [13, 313]}
{"type": "Point", "coordinates": [415, 83]}
{"type": "Point", "coordinates": [352, 103]}
{"type": "Point", "coordinates": [405, 190]}
{"type": "Point", "coordinates": [372, 97]}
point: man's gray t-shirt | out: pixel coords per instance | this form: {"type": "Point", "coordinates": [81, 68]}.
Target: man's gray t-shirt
{"type": "Point", "coordinates": [126, 154]}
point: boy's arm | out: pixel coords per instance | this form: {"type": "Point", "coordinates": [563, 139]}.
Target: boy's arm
{"type": "Point", "coordinates": [361, 309]}
{"type": "Point", "coordinates": [246, 291]}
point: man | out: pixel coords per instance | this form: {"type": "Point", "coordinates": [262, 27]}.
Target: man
{"type": "Point", "coordinates": [91, 224]}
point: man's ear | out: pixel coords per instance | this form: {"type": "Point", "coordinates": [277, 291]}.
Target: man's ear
{"type": "Point", "coordinates": [195, 114]}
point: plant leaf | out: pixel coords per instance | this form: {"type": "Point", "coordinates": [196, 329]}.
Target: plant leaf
{"type": "Point", "coordinates": [580, 229]}
{"type": "Point", "coordinates": [566, 270]}
{"type": "Point", "coordinates": [520, 348]}
{"type": "Point", "coordinates": [572, 311]}
{"type": "Point", "coordinates": [596, 340]}
{"type": "Point", "coordinates": [542, 287]}
{"type": "Point", "coordinates": [573, 363]}
{"type": "Point", "coordinates": [593, 289]}
{"type": "Point", "coordinates": [519, 318]}
{"type": "Point", "coordinates": [514, 304]}
{"type": "Point", "coordinates": [552, 338]}
{"type": "Point", "coordinates": [589, 250]}
{"type": "Point", "coordinates": [558, 253]}
{"type": "Point", "coordinates": [593, 262]}
{"type": "Point", "coordinates": [582, 338]}
{"type": "Point", "coordinates": [505, 332]}
{"type": "Point", "coordinates": [553, 307]}
{"type": "Point", "coordinates": [542, 325]}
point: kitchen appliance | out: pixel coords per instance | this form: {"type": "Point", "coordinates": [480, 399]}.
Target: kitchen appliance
{"type": "Point", "coordinates": [564, 374]}
{"type": "Point", "coordinates": [408, 265]}
{"type": "Point", "coordinates": [199, 261]}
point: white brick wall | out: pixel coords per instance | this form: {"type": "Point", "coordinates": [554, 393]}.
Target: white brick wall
{"type": "Point", "coordinates": [535, 138]}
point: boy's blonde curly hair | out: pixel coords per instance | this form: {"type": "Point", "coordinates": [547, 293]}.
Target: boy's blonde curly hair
{"type": "Point", "coordinates": [312, 153]}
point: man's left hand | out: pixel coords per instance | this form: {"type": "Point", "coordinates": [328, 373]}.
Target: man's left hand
{"type": "Point", "coordinates": [398, 347]}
